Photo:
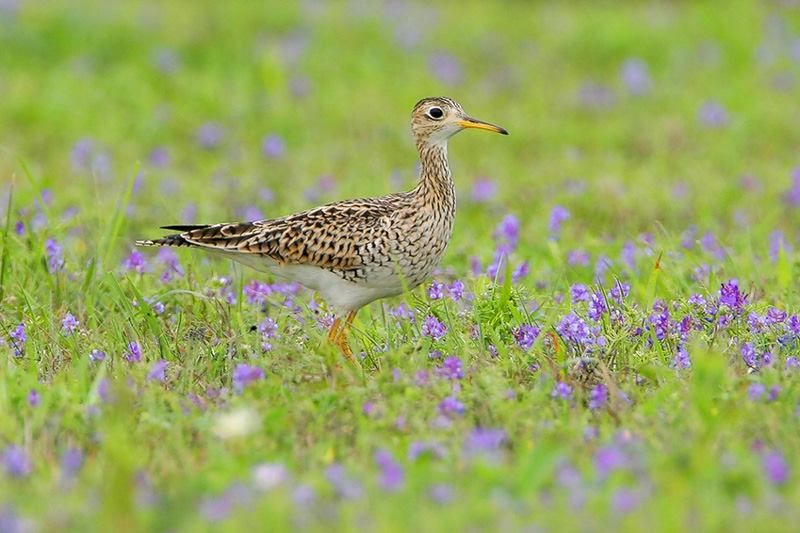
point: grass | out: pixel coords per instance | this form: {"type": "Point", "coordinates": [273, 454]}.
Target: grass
{"type": "Point", "coordinates": [107, 131]}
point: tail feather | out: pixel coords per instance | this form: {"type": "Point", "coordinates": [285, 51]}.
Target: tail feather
{"type": "Point", "coordinates": [176, 239]}
{"type": "Point", "coordinates": [169, 240]}
{"type": "Point", "coordinates": [185, 227]}
{"type": "Point", "coordinates": [222, 236]}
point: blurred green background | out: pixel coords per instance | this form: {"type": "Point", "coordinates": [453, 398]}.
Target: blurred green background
{"type": "Point", "coordinates": [335, 81]}
{"type": "Point", "coordinates": [654, 123]}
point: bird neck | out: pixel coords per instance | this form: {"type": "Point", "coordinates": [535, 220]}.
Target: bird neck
{"type": "Point", "coordinates": [435, 178]}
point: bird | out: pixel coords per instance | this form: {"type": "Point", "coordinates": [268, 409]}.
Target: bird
{"type": "Point", "coordinates": [354, 252]}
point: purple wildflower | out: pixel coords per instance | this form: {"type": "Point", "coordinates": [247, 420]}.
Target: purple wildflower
{"type": "Point", "coordinates": [793, 326]}
{"type": "Point", "coordinates": [392, 475]}
{"type": "Point", "coordinates": [756, 322]}
{"type": "Point", "coordinates": [620, 291]}
{"type": "Point", "coordinates": [171, 263]}
{"type": "Point", "coordinates": [497, 267]}
{"type": "Point", "coordinates": [775, 316]}
{"type": "Point", "coordinates": [451, 368]}
{"type": "Point", "coordinates": [369, 409]}
{"type": "Point", "coordinates": [756, 391]}
{"type": "Point", "coordinates": [81, 153]}
{"type": "Point", "coordinates": [96, 356]}
{"type": "Point", "coordinates": [19, 228]}
{"type": "Point", "coordinates": [492, 349]}
{"type": "Point", "coordinates": [244, 375]}
{"type": "Point", "coordinates": [701, 273]}
{"type": "Point", "coordinates": [267, 476]}
{"type": "Point", "coordinates": [346, 487]}
{"type": "Point", "coordinates": [625, 500]}
{"type": "Point", "coordinates": [697, 299]}
{"type": "Point", "coordinates": [776, 469]}
{"type": "Point", "coordinates": [710, 244]}
{"type": "Point", "coordinates": [475, 266]}
{"type": "Point", "coordinates": [483, 189]}
{"type": "Point", "coordinates": [158, 371]}
{"type": "Point", "coordinates": [456, 290]}
{"type": "Point", "coordinates": [635, 76]}
{"type": "Point", "coordinates": [18, 338]}
{"type": "Point", "coordinates": [433, 328]}
{"type": "Point", "coordinates": [713, 115]}
{"type": "Point", "coordinates": [792, 196]}
{"type": "Point", "coordinates": [484, 441]}
{"type": "Point", "coordinates": [215, 509]}
{"type": "Point", "coordinates": [594, 95]}
{"type": "Point", "coordinates": [601, 266]}
{"type": "Point", "coordinates": [16, 461]}
{"type": "Point", "coordinates": [659, 320]}
{"type": "Point", "coordinates": [403, 312]}
{"type": "Point", "coordinates": [598, 397]}
{"type": "Point", "coordinates": [159, 157]}
{"type": "Point", "coordinates": [303, 496]}
{"type": "Point", "coordinates": [731, 296]}
{"type": "Point", "coordinates": [256, 293]}
{"type": "Point", "coordinates": [209, 135]}
{"type": "Point", "coordinates": [507, 233]}
{"type": "Point", "coordinates": [578, 258]}
{"type": "Point", "coordinates": [597, 306]}
{"type": "Point", "coordinates": [520, 272]}
{"type": "Point", "coordinates": [749, 355]}
{"type": "Point", "coordinates": [579, 293]}
{"type": "Point", "coordinates": [526, 335]}
{"type": "Point", "coordinates": [436, 290]}
{"type": "Point", "coordinates": [558, 216]}
{"type": "Point", "coordinates": [778, 243]}
{"type": "Point", "coordinates": [268, 328]}
{"type": "Point", "coordinates": [562, 391]}
{"type": "Point", "coordinates": [273, 147]}
{"type": "Point", "coordinates": [774, 391]}
{"type": "Point", "coordinates": [134, 353]}
{"type": "Point", "coordinates": [422, 378]}
{"type": "Point", "coordinates": [446, 67]}
{"type": "Point", "coordinates": [71, 462]}
{"type": "Point", "coordinates": [610, 458]}
{"type": "Point", "coordinates": [55, 260]}
{"type": "Point", "coordinates": [441, 493]}
{"type": "Point", "coordinates": [575, 330]}
{"type": "Point", "coordinates": [628, 255]}
{"type": "Point", "coordinates": [684, 326]}
{"type": "Point", "coordinates": [69, 324]}
{"type": "Point", "coordinates": [33, 398]}
{"type": "Point", "coordinates": [135, 262]}
{"type": "Point", "coordinates": [451, 406]}
{"type": "Point", "coordinates": [681, 360]}
{"type": "Point", "coordinates": [104, 390]}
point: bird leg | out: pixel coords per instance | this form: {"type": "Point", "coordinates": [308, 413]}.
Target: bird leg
{"type": "Point", "coordinates": [338, 335]}
{"type": "Point", "coordinates": [333, 333]}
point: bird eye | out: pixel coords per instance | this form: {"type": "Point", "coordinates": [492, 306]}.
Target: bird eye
{"type": "Point", "coordinates": [435, 113]}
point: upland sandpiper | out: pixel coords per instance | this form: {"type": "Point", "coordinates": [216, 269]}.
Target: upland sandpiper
{"type": "Point", "coordinates": [355, 251]}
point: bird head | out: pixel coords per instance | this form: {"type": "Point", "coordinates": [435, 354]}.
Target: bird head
{"type": "Point", "coordinates": [434, 120]}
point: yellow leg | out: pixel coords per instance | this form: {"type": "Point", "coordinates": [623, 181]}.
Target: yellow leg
{"type": "Point", "coordinates": [333, 333]}
{"type": "Point", "coordinates": [338, 335]}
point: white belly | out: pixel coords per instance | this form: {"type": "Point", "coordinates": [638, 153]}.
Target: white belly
{"type": "Point", "coordinates": [342, 295]}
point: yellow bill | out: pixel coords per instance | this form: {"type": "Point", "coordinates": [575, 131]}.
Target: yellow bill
{"type": "Point", "coordinates": [470, 122]}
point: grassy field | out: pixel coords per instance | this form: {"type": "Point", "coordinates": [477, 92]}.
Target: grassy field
{"type": "Point", "coordinates": [612, 341]}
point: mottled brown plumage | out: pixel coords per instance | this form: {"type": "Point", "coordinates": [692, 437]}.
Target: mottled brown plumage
{"type": "Point", "coordinates": [355, 251]}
